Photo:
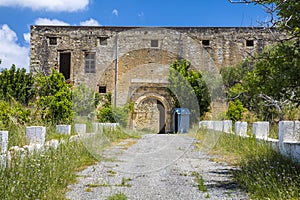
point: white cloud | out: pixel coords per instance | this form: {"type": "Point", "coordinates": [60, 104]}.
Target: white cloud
{"type": "Point", "coordinates": [27, 37]}
{"type": "Point", "coordinates": [90, 22]}
{"type": "Point", "coordinates": [11, 52]}
{"type": "Point", "coordinates": [49, 5]}
{"type": "Point", "coordinates": [115, 12]}
{"type": "Point", "coordinates": [46, 21]}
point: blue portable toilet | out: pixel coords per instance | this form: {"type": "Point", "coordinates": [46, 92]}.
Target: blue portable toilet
{"type": "Point", "coordinates": [181, 120]}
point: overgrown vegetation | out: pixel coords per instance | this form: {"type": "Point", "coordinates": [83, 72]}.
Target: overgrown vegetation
{"type": "Point", "coordinates": [268, 84]}
{"type": "Point", "coordinates": [43, 175]}
{"type": "Point", "coordinates": [263, 172]}
{"type": "Point", "coordinates": [107, 113]}
{"type": "Point", "coordinates": [188, 89]}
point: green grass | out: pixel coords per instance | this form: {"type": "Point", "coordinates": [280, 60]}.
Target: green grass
{"type": "Point", "coordinates": [263, 172]}
{"type": "Point", "coordinates": [199, 181]}
{"type": "Point", "coordinates": [43, 175]}
{"type": "Point", "coordinates": [119, 196]}
{"type": "Point", "coordinates": [46, 174]}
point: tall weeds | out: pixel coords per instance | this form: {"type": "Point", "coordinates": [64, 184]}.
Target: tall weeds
{"type": "Point", "coordinates": [262, 171]}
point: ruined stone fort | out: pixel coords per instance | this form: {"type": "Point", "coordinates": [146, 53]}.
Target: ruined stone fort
{"type": "Point", "coordinates": [133, 62]}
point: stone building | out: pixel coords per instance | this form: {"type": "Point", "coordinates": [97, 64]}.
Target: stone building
{"type": "Point", "coordinates": [133, 62]}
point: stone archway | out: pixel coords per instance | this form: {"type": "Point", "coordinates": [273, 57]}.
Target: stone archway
{"type": "Point", "coordinates": [152, 113]}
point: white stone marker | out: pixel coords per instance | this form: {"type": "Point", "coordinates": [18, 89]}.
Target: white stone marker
{"type": "Point", "coordinates": [63, 129]}
{"type": "Point", "coordinates": [240, 128]}
{"type": "Point", "coordinates": [206, 124]}
{"type": "Point", "coordinates": [35, 135]}
{"type": "Point", "coordinates": [80, 128]}
{"type": "Point", "coordinates": [297, 131]}
{"type": "Point", "coordinates": [261, 130]}
{"type": "Point", "coordinates": [227, 126]}
{"type": "Point", "coordinates": [286, 131]}
{"type": "Point", "coordinates": [218, 125]}
{"type": "Point", "coordinates": [3, 142]}
{"type": "Point", "coordinates": [95, 127]}
{"type": "Point", "coordinates": [285, 135]}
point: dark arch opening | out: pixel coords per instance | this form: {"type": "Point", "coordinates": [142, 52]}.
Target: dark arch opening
{"type": "Point", "coordinates": [162, 117]}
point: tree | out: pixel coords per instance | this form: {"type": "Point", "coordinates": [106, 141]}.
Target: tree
{"type": "Point", "coordinates": [55, 98]}
{"type": "Point", "coordinates": [188, 89]}
{"type": "Point", "coordinates": [16, 84]}
{"type": "Point", "coordinates": [271, 83]}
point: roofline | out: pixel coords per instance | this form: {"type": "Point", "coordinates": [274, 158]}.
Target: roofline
{"type": "Point", "coordinates": [225, 27]}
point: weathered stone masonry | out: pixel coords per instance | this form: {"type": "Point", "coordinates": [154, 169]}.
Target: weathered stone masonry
{"type": "Point", "coordinates": [140, 58]}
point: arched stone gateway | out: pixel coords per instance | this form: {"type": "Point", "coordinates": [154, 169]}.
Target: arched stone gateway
{"type": "Point", "coordinates": [152, 112]}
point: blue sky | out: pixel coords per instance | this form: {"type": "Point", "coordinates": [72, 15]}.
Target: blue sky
{"type": "Point", "coordinates": [16, 16]}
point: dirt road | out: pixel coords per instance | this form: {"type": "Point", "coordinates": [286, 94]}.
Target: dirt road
{"type": "Point", "coordinates": [156, 167]}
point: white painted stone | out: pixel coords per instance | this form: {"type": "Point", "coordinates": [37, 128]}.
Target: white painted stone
{"type": "Point", "coordinates": [80, 128]}
{"type": "Point", "coordinates": [74, 138]}
{"type": "Point", "coordinates": [35, 135]}
{"type": "Point", "coordinates": [297, 131]}
{"type": "Point", "coordinates": [261, 130]}
{"type": "Point", "coordinates": [291, 149]}
{"type": "Point", "coordinates": [227, 126]}
{"type": "Point", "coordinates": [63, 129]}
{"type": "Point", "coordinates": [286, 131]}
{"type": "Point", "coordinates": [206, 124]}
{"type": "Point", "coordinates": [285, 135]}
{"type": "Point", "coordinates": [52, 143]}
{"type": "Point", "coordinates": [110, 126]}
{"type": "Point", "coordinates": [240, 128]}
{"type": "Point", "coordinates": [3, 142]}
{"type": "Point", "coordinates": [95, 127]}
{"type": "Point", "coordinates": [2, 160]}
{"type": "Point", "coordinates": [218, 125]}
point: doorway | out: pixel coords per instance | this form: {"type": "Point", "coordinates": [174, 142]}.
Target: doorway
{"type": "Point", "coordinates": [65, 64]}
{"type": "Point", "coordinates": [162, 117]}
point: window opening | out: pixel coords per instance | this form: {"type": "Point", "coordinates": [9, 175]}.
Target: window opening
{"type": "Point", "coordinates": [90, 63]}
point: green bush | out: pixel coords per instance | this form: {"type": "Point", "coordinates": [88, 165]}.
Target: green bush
{"type": "Point", "coordinates": [16, 84]}
{"type": "Point", "coordinates": [55, 103]}
{"type": "Point", "coordinates": [235, 111]}
{"type": "Point", "coordinates": [12, 114]}
{"type": "Point", "coordinates": [107, 113]}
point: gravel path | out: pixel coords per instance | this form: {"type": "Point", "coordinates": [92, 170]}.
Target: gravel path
{"type": "Point", "coordinates": [156, 167]}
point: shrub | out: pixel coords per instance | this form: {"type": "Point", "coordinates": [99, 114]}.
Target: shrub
{"type": "Point", "coordinates": [12, 114]}
{"type": "Point", "coordinates": [235, 110]}
{"type": "Point", "coordinates": [16, 84]}
{"type": "Point", "coordinates": [55, 102]}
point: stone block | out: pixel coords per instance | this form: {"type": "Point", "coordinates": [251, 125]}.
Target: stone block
{"type": "Point", "coordinates": [291, 150]}
{"type": "Point", "coordinates": [297, 131]}
{"type": "Point", "coordinates": [218, 125]}
{"type": "Point", "coordinates": [3, 142]}
{"type": "Point", "coordinates": [288, 131]}
{"type": "Point", "coordinates": [240, 128]}
{"type": "Point", "coordinates": [52, 143]}
{"type": "Point", "coordinates": [35, 135]}
{"type": "Point", "coordinates": [206, 124]}
{"type": "Point", "coordinates": [227, 126]}
{"type": "Point", "coordinates": [80, 128]}
{"type": "Point", "coordinates": [109, 126]}
{"type": "Point", "coordinates": [95, 127]}
{"type": "Point", "coordinates": [63, 129]}
{"type": "Point", "coordinates": [261, 130]}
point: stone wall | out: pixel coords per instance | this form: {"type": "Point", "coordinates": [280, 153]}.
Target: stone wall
{"type": "Point", "coordinates": [131, 58]}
